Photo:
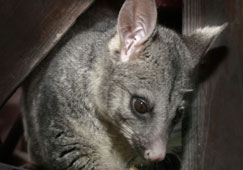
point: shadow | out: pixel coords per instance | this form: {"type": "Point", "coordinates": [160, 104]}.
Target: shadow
{"type": "Point", "coordinates": [171, 162]}
{"type": "Point", "coordinates": [171, 18]}
{"type": "Point", "coordinates": [8, 146]}
{"type": "Point", "coordinates": [210, 62]}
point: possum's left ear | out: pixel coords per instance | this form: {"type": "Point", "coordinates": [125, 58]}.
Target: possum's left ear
{"type": "Point", "coordinates": [136, 23]}
{"type": "Point", "coordinates": [200, 41]}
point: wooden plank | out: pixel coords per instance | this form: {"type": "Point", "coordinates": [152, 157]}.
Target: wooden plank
{"type": "Point", "coordinates": [28, 30]}
{"type": "Point", "coordinates": [219, 105]}
{"type": "Point", "coordinates": [192, 19]}
{"type": "Point", "coordinates": [192, 15]}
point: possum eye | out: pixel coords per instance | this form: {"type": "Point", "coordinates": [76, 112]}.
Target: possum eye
{"type": "Point", "coordinates": [180, 111]}
{"type": "Point", "coordinates": [139, 105]}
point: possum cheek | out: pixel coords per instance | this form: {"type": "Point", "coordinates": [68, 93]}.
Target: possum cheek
{"type": "Point", "coordinates": [127, 133]}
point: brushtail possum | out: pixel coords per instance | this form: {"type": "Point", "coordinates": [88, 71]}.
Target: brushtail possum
{"type": "Point", "coordinates": [111, 92]}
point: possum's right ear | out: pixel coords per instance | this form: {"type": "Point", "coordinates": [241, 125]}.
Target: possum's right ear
{"type": "Point", "coordinates": [201, 40]}
{"type": "Point", "coordinates": [136, 23]}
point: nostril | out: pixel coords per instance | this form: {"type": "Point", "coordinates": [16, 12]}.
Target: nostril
{"type": "Point", "coordinates": [153, 156]}
{"type": "Point", "coordinates": [146, 154]}
{"type": "Point", "coordinates": [156, 151]}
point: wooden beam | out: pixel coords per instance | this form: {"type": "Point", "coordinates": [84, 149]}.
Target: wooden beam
{"type": "Point", "coordinates": [28, 30]}
{"type": "Point", "coordinates": [219, 104]}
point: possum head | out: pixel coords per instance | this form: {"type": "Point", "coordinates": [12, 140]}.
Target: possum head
{"type": "Point", "coordinates": [147, 70]}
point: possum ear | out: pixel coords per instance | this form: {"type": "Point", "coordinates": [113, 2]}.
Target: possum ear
{"type": "Point", "coordinates": [200, 41]}
{"type": "Point", "coordinates": [136, 23]}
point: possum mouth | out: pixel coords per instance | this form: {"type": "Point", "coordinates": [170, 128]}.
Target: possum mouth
{"type": "Point", "coordinates": [170, 162]}
{"type": "Point", "coordinates": [139, 163]}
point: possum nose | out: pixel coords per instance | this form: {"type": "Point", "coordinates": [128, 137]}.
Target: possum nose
{"type": "Point", "coordinates": [156, 153]}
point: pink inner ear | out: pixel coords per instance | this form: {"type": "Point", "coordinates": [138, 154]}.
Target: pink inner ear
{"type": "Point", "coordinates": [136, 23]}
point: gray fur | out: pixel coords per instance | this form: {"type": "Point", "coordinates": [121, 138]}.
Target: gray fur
{"type": "Point", "coordinates": [76, 105]}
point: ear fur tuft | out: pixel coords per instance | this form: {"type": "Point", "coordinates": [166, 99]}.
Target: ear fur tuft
{"type": "Point", "coordinates": [114, 44]}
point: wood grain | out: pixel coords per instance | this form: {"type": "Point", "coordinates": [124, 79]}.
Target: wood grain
{"type": "Point", "coordinates": [28, 30]}
{"type": "Point", "coordinates": [219, 105]}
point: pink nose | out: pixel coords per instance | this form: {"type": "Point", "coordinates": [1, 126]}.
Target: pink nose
{"type": "Point", "coordinates": [156, 152]}
{"type": "Point", "coordinates": [154, 156]}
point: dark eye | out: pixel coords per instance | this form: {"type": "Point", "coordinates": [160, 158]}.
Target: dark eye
{"type": "Point", "coordinates": [180, 111]}
{"type": "Point", "coordinates": [139, 105]}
